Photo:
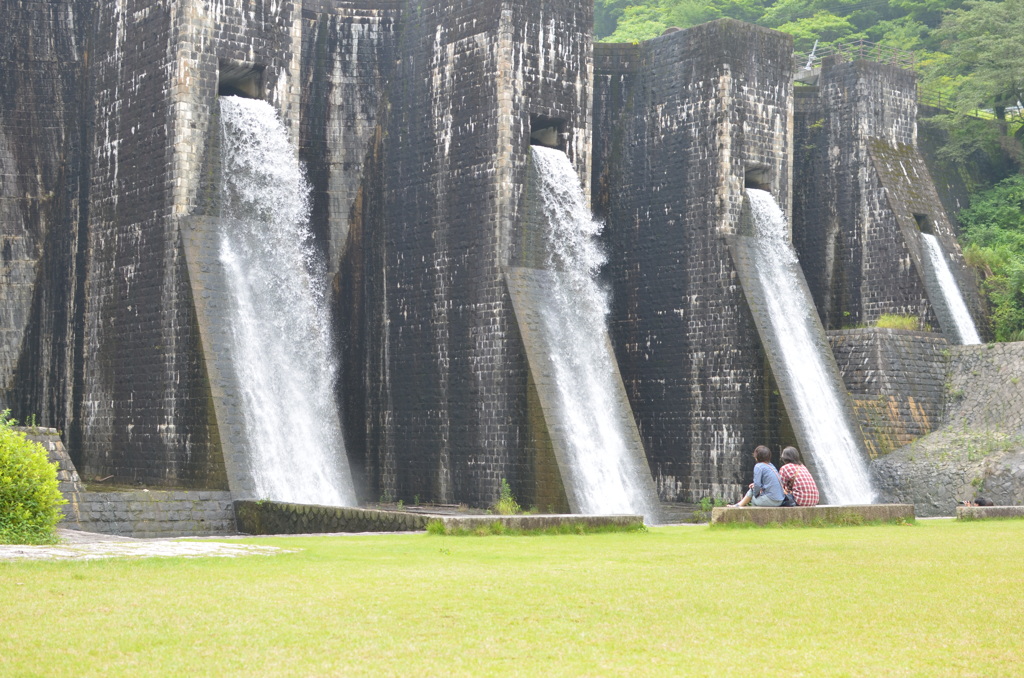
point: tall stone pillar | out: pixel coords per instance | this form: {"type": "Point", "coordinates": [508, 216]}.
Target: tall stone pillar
{"type": "Point", "coordinates": [683, 124]}
{"type": "Point", "coordinates": [447, 411]}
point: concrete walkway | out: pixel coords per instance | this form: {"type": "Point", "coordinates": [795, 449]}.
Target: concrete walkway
{"type": "Point", "coordinates": [77, 545]}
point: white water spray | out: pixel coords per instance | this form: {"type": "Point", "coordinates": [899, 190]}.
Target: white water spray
{"type": "Point", "coordinates": [947, 284]}
{"type": "Point", "coordinates": [836, 454]}
{"type": "Point", "coordinates": [605, 477]}
{"type": "Point", "coordinates": [281, 350]}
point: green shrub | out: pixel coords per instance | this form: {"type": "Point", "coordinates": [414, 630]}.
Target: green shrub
{"type": "Point", "coordinates": [994, 233]}
{"type": "Point", "coordinates": [30, 500]}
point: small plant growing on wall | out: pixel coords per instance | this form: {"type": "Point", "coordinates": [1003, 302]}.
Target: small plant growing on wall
{"type": "Point", "coordinates": [507, 504]}
{"type": "Point", "coordinates": [893, 321]}
{"type": "Point", "coordinates": [30, 500]}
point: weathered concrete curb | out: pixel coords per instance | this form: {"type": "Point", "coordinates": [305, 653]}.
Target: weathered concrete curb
{"type": "Point", "coordinates": [275, 517]}
{"type": "Point", "coordinates": [983, 512]}
{"type": "Point", "coordinates": [836, 515]}
{"type": "Point", "coordinates": [538, 522]}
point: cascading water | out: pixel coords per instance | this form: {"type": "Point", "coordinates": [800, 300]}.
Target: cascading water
{"type": "Point", "coordinates": [836, 454]}
{"type": "Point", "coordinates": [605, 478]}
{"type": "Point", "coordinates": [281, 350]}
{"type": "Point", "coordinates": [950, 292]}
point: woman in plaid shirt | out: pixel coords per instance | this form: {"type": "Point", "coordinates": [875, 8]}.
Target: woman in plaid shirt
{"type": "Point", "coordinates": [796, 479]}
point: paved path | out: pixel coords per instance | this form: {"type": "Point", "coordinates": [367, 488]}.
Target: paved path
{"type": "Point", "coordinates": [76, 545]}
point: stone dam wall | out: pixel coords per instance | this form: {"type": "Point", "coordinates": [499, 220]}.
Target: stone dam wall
{"type": "Point", "coordinates": [414, 120]}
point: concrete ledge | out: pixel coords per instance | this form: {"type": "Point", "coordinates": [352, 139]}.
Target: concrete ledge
{"type": "Point", "coordinates": [983, 512]}
{"type": "Point", "coordinates": [538, 522]}
{"type": "Point", "coordinates": [275, 517]}
{"type": "Point", "coordinates": [853, 514]}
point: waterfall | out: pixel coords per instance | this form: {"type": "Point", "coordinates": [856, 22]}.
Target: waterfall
{"type": "Point", "coordinates": [281, 347]}
{"type": "Point", "coordinates": [836, 454]}
{"type": "Point", "coordinates": [592, 409]}
{"type": "Point", "coordinates": [950, 292]}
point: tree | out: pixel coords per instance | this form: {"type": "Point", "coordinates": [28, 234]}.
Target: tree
{"type": "Point", "coordinates": [638, 24]}
{"type": "Point", "coordinates": [823, 27]}
{"type": "Point", "coordinates": [985, 42]}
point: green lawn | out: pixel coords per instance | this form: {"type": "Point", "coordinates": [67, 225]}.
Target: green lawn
{"type": "Point", "coordinates": [938, 598]}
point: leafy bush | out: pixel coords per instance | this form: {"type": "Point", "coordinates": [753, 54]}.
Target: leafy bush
{"type": "Point", "coordinates": [994, 230]}
{"type": "Point", "coordinates": [30, 500]}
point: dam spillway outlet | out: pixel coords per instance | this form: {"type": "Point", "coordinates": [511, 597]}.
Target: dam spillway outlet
{"type": "Point", "coordinates": [758, 178]}
{"type": "Point", "coordinates": [549, 132]}
{"type": "Point", "coordinates": [240, 80]}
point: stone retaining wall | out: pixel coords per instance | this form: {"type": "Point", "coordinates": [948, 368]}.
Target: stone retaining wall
{"type": "Point", "coordinates": [144, 513]}
{"type": "Point", "coordinates": [896, 379]}
{"type": "Point", "coordinates": [67, 477]}
{"type": "Point", "coordinates": [272, 517]}
{"type": "Point", "coordinates": [979, 447]}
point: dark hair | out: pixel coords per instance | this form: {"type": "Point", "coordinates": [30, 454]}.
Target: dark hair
{"type": "Point", "coordinates": [762, 453]}
{"type": "Point", "coordinates": [791, 455]}
{"type": "Point", "coordinates": [982, 501]}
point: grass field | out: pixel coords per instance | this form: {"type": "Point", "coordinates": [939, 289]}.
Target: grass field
{"type": "Point", "coordinates": [939, 598]}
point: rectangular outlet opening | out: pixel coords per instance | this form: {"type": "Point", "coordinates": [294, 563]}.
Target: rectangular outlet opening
{"type": "Point", "coordinates": [759, 178]}
{"type": "Point", "coordinates": [240, 80]}
{"type": "Point", "coordinates": [548, 131]}
{"type": "Point", "coordinates": [925, 224]}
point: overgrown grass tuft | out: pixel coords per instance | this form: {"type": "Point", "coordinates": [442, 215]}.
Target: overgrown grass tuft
{"type": "Point", "coordinates": [898, 322]}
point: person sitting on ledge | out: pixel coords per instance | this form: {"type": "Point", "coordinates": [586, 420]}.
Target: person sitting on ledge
{"type": "Point", "coordinates": [796, 479]}
{"type": "Point", "coordinates": [766, 490]}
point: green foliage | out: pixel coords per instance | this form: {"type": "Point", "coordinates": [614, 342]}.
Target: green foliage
{"type": "Point", "coordinates": [994, 231]}
{"type": "Point", "coordinates": [898, 322]}
{"type": "Point", "coordinates": [704, 506]}
{"type": "Point", "coordinates": [29, 497]}
{"type": "Point", "coordinates": [637, 24]}
{"type": "Point", "coordinates": [906, 24]}
{"type": "Point", "coordinates": [507, 504]}
{"type": "Point", "coordinates": [823, 26]}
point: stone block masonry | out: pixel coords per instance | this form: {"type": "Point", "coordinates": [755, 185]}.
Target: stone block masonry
{"type": "Point", "coordinates": [682, 124]}
{"type": "Point", "coordinates": [978, 446]}
{"type": "Point", "coordinates": [43, 183]}
{"type": "Point", "coordinates": [147, 514]}
{"type": "Point", "coordinates": [146, 415]}
{"type": "Point", "coordinates": [897, 380]}
{"type": "Point", "coordinates": [271, 517]}
{"type": "Point", "coordinates": [447, 400]}
{"type": "Point", "coordinates": [863, 195]}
